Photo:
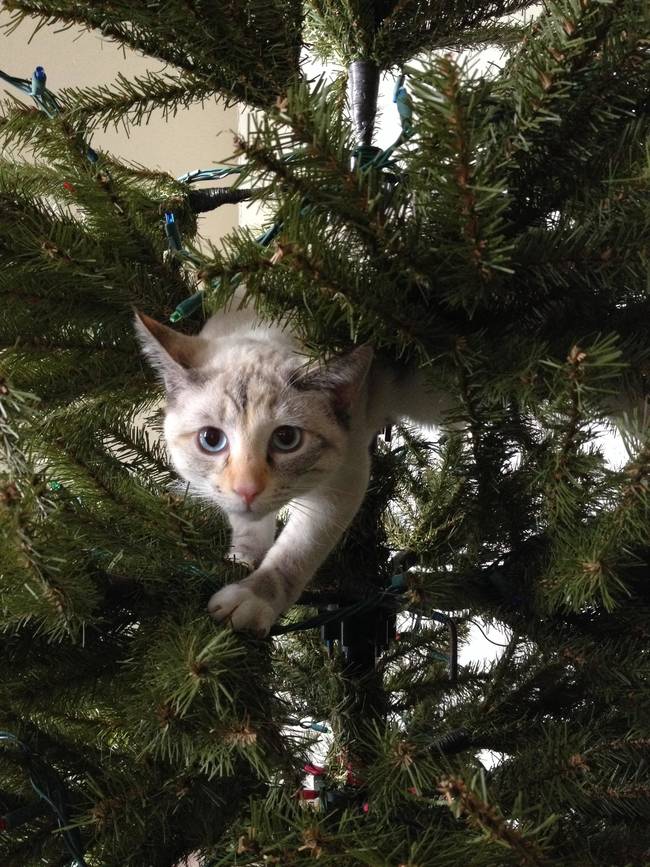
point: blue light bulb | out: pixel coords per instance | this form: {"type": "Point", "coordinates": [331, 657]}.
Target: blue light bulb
{"type": "Point", "coordinates": [38, 81]}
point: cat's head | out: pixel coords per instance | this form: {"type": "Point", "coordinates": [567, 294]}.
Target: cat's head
{"type": "Point", "coordinates": [248, 424]}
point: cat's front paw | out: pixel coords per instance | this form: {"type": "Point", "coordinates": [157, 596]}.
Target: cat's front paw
{"type": "Point", "coordinates": [243, 608]}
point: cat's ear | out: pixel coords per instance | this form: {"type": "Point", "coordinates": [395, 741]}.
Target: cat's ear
{"type": "Point", "coordinates": [173, 354]}
{"type": "Point", "coordinates": [343, 376]}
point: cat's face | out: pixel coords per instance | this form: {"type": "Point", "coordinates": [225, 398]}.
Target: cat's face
{"type": "Point", "coordinates": [247, 425]}
{"type": "Point", "coordinates": [249, 440]}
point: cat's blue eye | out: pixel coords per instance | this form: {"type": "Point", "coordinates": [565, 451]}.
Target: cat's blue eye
{"type": "Point", "coordinates": [286, 438]}
{"type": "Point", "coordinates": [212, 440]}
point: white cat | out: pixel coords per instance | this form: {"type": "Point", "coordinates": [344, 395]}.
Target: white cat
{"type": "Point", "coordinates": [253, 427]}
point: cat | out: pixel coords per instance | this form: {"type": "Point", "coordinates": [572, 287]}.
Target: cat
{"type": "Point", "coordinates": [252, 426]}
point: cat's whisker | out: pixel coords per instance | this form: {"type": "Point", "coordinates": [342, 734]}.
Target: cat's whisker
{"type": "Point", "coordinates": [309, 511]}
{"type": "Point", "coordinates": [329, 489]}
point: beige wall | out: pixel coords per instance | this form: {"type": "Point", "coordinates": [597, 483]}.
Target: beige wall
{"type": "Point", "coordinates": [197, 137]}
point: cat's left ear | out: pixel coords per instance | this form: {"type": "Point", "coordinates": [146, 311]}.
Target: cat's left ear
{"type": "Point", "coordinates": [173, 354]}
{"type": "Point", "coordinates": [343, 375]}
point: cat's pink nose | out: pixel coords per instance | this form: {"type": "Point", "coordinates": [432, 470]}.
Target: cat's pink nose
{"type": "Point", "coordinates": [248, 491]}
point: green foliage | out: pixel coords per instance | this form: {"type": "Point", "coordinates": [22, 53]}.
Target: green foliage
{"type": "Point", "coordinates": [502, 247]}
{"type": "Point", "coordinates": [245, 50]}
{"type": "Point", "coordinates": [392, 32]}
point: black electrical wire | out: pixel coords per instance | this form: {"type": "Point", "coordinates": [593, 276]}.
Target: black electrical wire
{"type": "Point", "coordinates": [495, 643]}
{"type": "Point", "coordinates": [386, 598]}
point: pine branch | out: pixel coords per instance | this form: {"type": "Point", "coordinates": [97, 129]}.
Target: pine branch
{"type": "Point", "coordinates": [393, 32]}
{"type": "Point", "coordinates": [566, 48]}
{"type": "Point", "coordinates": [131, 102]}
{"type": "Point", "coordinates": [416, 26]}
{"type": "Point", "coordinates": [214, 48]}
{"type": "Point", "coordinates": [479, 813]}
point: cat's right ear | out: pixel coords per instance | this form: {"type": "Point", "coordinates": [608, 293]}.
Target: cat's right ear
{"type": "Point", "coordinates": [172, 354]}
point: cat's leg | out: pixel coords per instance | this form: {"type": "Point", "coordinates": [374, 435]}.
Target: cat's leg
{"type": "Point", "coordinates": [251, 539]}
{"type": "Point", "coordinates": [316, 523]}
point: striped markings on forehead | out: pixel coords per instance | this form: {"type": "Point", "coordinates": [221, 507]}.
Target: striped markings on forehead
{"type": "Point", "coordinates": [264, 390]}
{"type": "Point", "coordinates": [254, 395]}
{"type": "Point", "coordinates": [252, 391]}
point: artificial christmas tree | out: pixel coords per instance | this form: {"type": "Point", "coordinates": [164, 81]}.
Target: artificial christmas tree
{"type": "Point", "coordinates": [501, 244]}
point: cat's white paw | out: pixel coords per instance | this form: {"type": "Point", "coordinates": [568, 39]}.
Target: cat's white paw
{"type": "Point", "coordinates": [243, 608]}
